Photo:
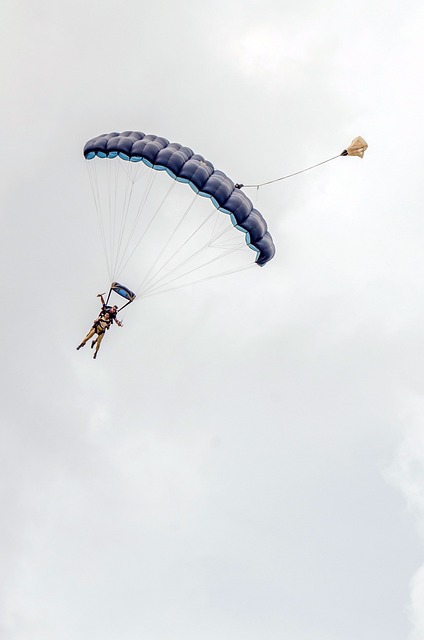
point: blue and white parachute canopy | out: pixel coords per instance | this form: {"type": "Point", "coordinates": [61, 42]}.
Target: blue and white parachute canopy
{"type": "Point", "coordinates": [183, 165]}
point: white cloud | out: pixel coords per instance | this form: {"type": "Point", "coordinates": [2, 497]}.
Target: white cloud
{"type": "Point", "coordinates": [215, 473]}
{"type": "Point", "coordinates": [416, 608]}
{"type": "Point", "coordinates": [407, 474]}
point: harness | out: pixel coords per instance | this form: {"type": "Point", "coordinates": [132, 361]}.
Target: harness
{"type": "Point", "coordinates": [101, 324]}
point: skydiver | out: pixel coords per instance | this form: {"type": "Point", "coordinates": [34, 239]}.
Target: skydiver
{"type": "Point", "coordinates": [101, 324]}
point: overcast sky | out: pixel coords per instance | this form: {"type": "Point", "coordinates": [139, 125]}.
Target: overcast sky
{"type": "Point", "coordinates": [245, 459]}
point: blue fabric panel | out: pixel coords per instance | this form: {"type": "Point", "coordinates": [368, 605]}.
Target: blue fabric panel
{"type": "Point", "coordinates": [266, 249]}
{"type": "Point", "coordinates": [100, 142]}
{"type": "Point", "coordinates": [152, 149]}
{"type": "Point", "coordinates": [185, 166]}
{"type": "Point", "coordinates": [135, 135]}
{"type": "Point", "coordinates": [196, 171]}
{"type": "Point", "coordinates": [148, 148]}
{"type": "Point", "coordinates": [219, 187]}
{"type": "Point", "coordinates": [174, 157]}
{"type": "Point", "coordinates": [121, 144]}
{"type": "Point", "coordinates": [255, 225]}
{"type": "Point", "coordinates": [122, 291]}
{"type": "Point", "coordinates": [139, 144]}
{"type": "Point", "coordinates": [239, 205]}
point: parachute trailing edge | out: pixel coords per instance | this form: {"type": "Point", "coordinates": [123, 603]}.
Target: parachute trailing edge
{"type": "Point", "coordinates": [183, 165]}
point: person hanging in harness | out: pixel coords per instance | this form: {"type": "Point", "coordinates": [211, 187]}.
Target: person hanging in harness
{"type": "Point", "coordinates": [107, 309]}
{"type": "Point", "coordinates": [101, 324]}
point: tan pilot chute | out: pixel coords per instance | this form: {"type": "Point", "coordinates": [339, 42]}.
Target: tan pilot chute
{"type": "Point", "coordinates": [357, 147]}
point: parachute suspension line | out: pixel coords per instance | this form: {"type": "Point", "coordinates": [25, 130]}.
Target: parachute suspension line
{"type": "Point", "coordinates": [234, 246]}
{"type": "Point", "coordinates": [124, 305]}
{"type": "Point", "coordinates": [153, 285]}
{"type": "Point", "coordinates": [134, 170]}
{"type": "Point", "coordinates": [221, 231]}
{"type": "Point", "coordinates": [214, 229]}
{"type": "Point", "coordinates": [112, 184]}
{"type": "Point", "coordinates": [189, 284]}
{"type": "Point", "coordinates": [136, 219]}
{"type": "Point", "coordinates": [165, 246]}
{"type": "Point", "coordinates": [92, 173]}
{"type": "Point", "coordinates": [127, 202]}
{"type": "Point", "coordinates": [143, 282]}
{"type": "Point", "coordinates": [158, 208]}
{"type": "Point", "coordinates": [108, 295]}
{"type": "Point", "coordinates": [116, 209]}
{"type": "Point", "coordinates": [129, 178]}
{"type": "Point", "coordinates": [219, 223]}
{"type": "Point", "coordinates": [109, 188]}
{"type": "Point", "coordinates": [157, 290]}
{"type": "Point", "coordinates": [290, 175]}
{"type": "Point", "coordinates": [114, 198]}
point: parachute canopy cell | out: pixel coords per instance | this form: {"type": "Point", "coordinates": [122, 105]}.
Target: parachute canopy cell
{"type": "Point", "coordinates": [183, 165]}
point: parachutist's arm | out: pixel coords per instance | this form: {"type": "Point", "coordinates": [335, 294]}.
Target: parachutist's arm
{"type": "Point", "coordinates": [119, 323]}
{"type": "Point", "coordinates": [100, 295]}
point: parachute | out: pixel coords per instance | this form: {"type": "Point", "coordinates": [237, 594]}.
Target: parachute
{"type": "Point", "coordinates": [357, 147]}
{"type": "Point", "coordinates": [168, 240]}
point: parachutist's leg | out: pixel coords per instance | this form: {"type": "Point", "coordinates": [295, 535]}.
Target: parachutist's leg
{"type": "Point", "coordinates": [98, 343]}
{"type": "Point", "coordinates": [89, 335]}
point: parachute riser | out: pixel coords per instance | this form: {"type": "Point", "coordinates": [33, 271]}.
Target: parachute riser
{"type": "Point", "coordinates": [125, 305]}
{"type": "Point", "coordinates": [110, 291]}
{"type": "Point", "coordinates": [117, 288]}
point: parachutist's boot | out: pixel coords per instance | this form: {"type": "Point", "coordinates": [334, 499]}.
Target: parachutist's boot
{"type": "Point", "coordinates": [95, 355]}
{"type": "Point", "coordinates": [81, 345]}
{"type": "Point", "coordinates": [93, 343]}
